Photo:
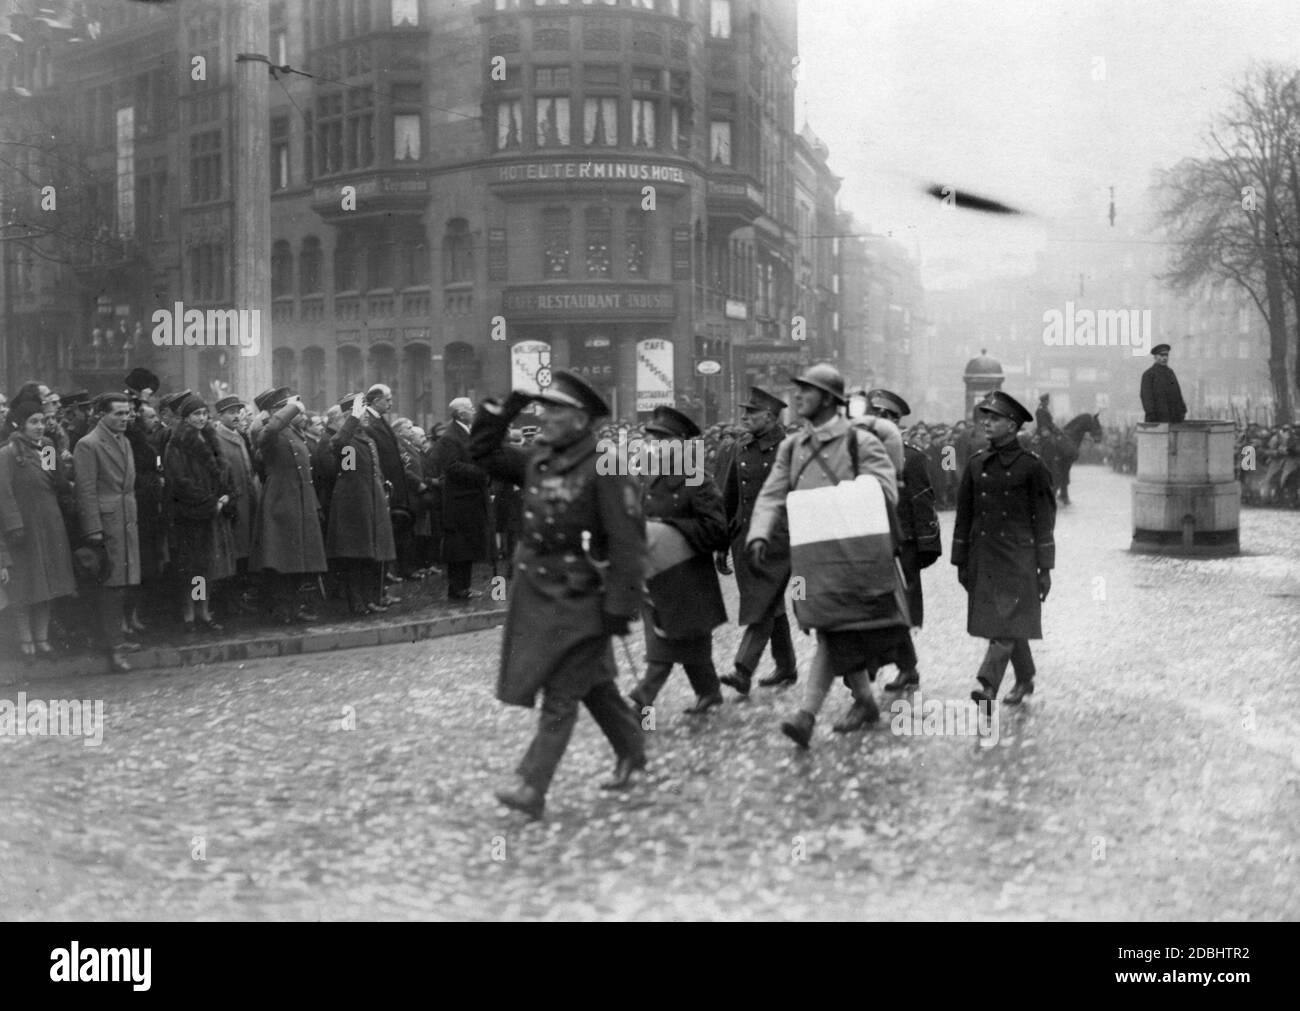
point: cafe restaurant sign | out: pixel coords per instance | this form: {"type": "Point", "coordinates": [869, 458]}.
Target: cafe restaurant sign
{"type": "Point", "coordinates": [556, 303]}
{"type": "Point", "coordinates": [592, 171]}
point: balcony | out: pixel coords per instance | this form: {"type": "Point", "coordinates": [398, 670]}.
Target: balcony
{"type": "Point", "coordinates": [734, 198]}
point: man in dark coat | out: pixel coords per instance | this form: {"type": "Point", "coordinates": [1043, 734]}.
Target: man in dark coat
{"type": "Point", "coordinates": [464, 503]}
{"type": "Point", "coordinates": [762, 591]}
{"type": "Point", "coordinates": [76, 415]}
{"type": "Point", "coordinates": [379, 401]}
{"type": "Point", "coordinates": [686, 524]}
{"type": "Point", "coordinates": [1003, 547]}
{"type": "Point", "coordinates": [918, 526]}
{"type": "Point", "coordinates": [1162, 398]}
{"type": "Point", "coordinates": [578, 572]}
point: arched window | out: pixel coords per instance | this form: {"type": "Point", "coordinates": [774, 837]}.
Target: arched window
{"type": "Point", "coordinates": [598, 241]}
{"type": "Point", "coordinates": [457, 252]}
{"type": "Point", "coordinates": [281, 269]}
{"type": "Point", "coordinates": [310, 280]}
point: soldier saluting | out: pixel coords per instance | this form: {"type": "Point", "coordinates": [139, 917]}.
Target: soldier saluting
{"type": "Point", "coordinates": [578, 572]}
{"type": "Point", "coordinates": [762, 591]}
{"type": "Point", "coordinates": [1003, 548]}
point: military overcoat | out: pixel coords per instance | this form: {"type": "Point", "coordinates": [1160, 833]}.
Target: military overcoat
{"type": "Point", "coordinates": [1006, 515]}
{"type": "Point", "coordinates": [746, 468]}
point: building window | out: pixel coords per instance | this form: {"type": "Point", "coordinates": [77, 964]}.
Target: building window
{"type": "Point", "coordinates": [205, 166]}
{"type": "Point", "coordinates": [345, 263]}
{"type": "Point", "coordinates": [720, 19]}
{"type": "Point", "coordinates": [505, 5]}
{"type": "Point", "coordinates": [126, 172]}
{"type": "Point", "coordinates": [552, 121]}
{"type": "Point", "coordinates": [720, 142]}
{"type": "Point", "coordinates": [679, 134]}
{"type": "Point", "coordinates": [552, 77]}
{"type": "Point", "coordinates": [406, 13]}
{"type": "Point", "coordinates": [329, 134]}
{"type": "Point", "coordinates": [555, 242]}
{"type": "Point", "coordinates": [280, 153]}
{"type": "Point", "coordinates": [644, 111]}
{"type": "Point", "coordinates": [379, 262]}
{"type": "Point", "coordinates": [208, 272]}
{"type": "Point", "coordinates": [360, 135]}
{"type": "Point", "coordinates": [638, 261]}
{"type": "Point", "coordinates": [281, 269]}
{"type": "Point", "coordinates": [509, 131]}
{"type": "Point", "coordinates": [310, 281]}
{"type": "Point", "coordinates": [412, 259]}
{"type": "Point", "coordinates": [406, 137]}
{"type": "Point", "coordinates": [600, 122]}
{"type": "Point", "coordinates": [457, 253]}
{"type": "Point", "coordinates": [598, 240]}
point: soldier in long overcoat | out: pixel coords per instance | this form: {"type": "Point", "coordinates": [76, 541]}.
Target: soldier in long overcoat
{"type": "Point", "coordinates": [359, 534]}
{"type": "Point", "coordinates": [579, 567]}
{"type": "Point", "coordinates": [105, 487]}
{"type": "Point", "coordinates": [287, 541]}
{"type": "Point", "coordinates": [918, 527]}
{"type": "Point", "coordinates": [1003, 547]}
{"type": "Point", "coordinates": [762, 591]}
{"type": "Point", "coordinates": [1162, 397]}
{"type": "Point", "coordinates": [683, 603]}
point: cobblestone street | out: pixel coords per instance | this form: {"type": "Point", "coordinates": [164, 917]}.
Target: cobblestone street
{"type": "Point", "coordinates": [1155, 774]}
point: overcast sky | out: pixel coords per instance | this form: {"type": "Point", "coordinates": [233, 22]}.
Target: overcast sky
{"type": "Point", "coordinates": [999, 97]}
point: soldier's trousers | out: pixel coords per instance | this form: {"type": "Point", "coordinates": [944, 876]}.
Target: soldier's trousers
{"type": "Point", "coordinates": [999, 652]}
{"type": "Point", "coordinates": [775, 628]}
{"type": "Point", "coordinates": [822, 674]}
{"type": "Point", "coordinates": [559, 715]}
{"type": "Point", "coordinates": [703, 677]}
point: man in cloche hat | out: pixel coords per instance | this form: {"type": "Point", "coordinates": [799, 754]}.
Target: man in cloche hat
{"type": "Point", "coordinates": [578, 571]}
{"type": "Point", "coordinates": [1003, 548]}
{"type": "Point", "coordinates": [762, 591]}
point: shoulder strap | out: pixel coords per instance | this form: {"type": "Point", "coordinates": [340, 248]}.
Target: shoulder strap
{"type": "Point", "coordinates": [816, 456]}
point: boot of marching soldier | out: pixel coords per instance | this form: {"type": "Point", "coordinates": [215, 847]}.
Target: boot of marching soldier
{"type": "Point", "coordinates": [578, 572]}
{"type": "Point", "coordinates": [1003, 547]}
{"type": "Point", "coordinates": [685, 525]}
{"type": "Point", "coordinates": [762, 591]}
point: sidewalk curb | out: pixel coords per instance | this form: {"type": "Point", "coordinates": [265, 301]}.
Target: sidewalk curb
{"type": "Point", "coordinates": [326, 639]}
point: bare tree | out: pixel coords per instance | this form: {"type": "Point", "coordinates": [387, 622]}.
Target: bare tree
{"type": "Point", "coordinates": [1233, 214]}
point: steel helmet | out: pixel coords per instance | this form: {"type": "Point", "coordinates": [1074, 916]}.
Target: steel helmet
{"type": "Point", "coordinates": [826, 377]}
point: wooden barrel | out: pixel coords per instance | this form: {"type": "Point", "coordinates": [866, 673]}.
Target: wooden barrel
{"type": "Point", "coordinates": [1186, 499]}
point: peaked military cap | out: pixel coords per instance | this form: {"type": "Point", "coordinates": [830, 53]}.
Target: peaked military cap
{"type": "Point", "coordinates": [226, 403]}
{"type": "Point", "coordinates": [1160, 349]}
{"type": "Point", "coordinates": [1006, 405]}
{"type": "Point", "coordinates": [884, 400]}
{"type": "Point", "coordinates": [761, 400]}
{"type": "Point", "coordinates": [77, 398]}
{"type": "Point", "coordinates": [269, 400]}
{"type": "Point", "coordinates": [567, 390]}
{"type": "Point", "coordinates": [672, 423]}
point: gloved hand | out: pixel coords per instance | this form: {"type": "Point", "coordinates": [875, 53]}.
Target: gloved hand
{"type": "Point", "coordinates": [757, 551]}
{"type": "Point", "coordinates": [720, 561]}
{"type": "Point", "coordinates": [492, 422]}
{"type": "Point", "coordinates": [614, 624]}
{"type": "Point", "coordinates": [359, 407]}
{"type": "Point", "coordinates": [1044, 584]}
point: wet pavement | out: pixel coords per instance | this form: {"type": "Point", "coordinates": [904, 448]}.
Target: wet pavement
{"type": "Point", "coordinates": [1155, 774]}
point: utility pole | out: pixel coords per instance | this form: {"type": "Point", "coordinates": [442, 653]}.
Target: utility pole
{"type": "Point", "coordinates": [251, 179]}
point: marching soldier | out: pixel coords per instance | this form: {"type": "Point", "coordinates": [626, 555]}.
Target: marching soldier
{"type": "Point", "coordinates": [918, 528]}
{"type": "Point", "coordinates": [683, 599]}
{"type": "Point", "coordinates": [1003, 547]}
{"type": "Point", "coordinates": [578, 570]}
{"type": "Point", "coordinates": [762, 591]}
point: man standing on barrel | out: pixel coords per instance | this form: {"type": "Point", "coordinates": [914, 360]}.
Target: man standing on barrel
{"type": "Point", "coordinates": [1003, 548]}
{"type": "Point", "coordinates": [578, 571]}
{"type": "Point", "coordinates": [762, 591]}
{"type": "Point", "coordinates": [1162, 397]}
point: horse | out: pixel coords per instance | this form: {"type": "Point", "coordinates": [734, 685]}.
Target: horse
{"type": "Point", "coordinates": [1059, 448]}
